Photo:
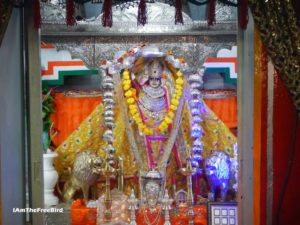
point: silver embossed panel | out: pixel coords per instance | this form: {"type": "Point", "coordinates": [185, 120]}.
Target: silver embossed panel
{"type": "Point", "coordinates": [92, 50]}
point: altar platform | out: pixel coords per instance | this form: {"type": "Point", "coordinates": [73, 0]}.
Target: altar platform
{"type": "Point", "coordinates": [80, 214]}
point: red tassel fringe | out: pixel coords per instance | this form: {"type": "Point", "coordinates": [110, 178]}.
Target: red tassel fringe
{"type": "Point", "coordinates": [211, 17]}
{"type": "Point", "coordinates": [178, 12]}
{"type": "Point", "coordinates": [142, 13]}
{"type": "Point", "coordinates": [37, 14]}
{"type": "Point", "coordinates": [107, 14]}
{"type": "Point", "coordinates": [243, 14]}
{"type": "Point", "coordinates": [70, 12]}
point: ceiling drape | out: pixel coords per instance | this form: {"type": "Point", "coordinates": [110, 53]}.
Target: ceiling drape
{"type": "Point", "coordinates": [277, 23]}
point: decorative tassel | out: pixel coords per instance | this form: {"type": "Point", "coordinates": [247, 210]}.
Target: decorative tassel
{"type": "Point", "coordinates": [142, 13]}
{"type": "Point", "coordinates": [178, 12]}
{"type": "Point", "coordinates": [37, 14]}
{"type": "Point", "coordinates": [70, 10]}
{"type": "Point", "coordinates": [211, 17]}
{"type": "Point", "coordinates": [243, 14]}
{"type": "Point", "coordinates": [107, 14]}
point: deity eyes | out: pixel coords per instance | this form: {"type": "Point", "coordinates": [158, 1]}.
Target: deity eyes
{"type": "Point", "coordinates": [154, 79]}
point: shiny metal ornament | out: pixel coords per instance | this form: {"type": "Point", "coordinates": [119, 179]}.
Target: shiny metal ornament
{"type": "Point", "coordinates": [195, 103]}
{"type": "Point", "coordinates": [194, 163]}
{"type": "Point", "coordinates": [110, 125]}
{"type": "Point", "coordinates": [109, 107]}
{"type": "Point", "coordinates": [184, 67]}
{"type": "Point", "coordinates": [197, 149]}
{"type": "Point", "coordinates": [107, 79]}
{"type": "Point", "coordinates": [133, 206]}
{"type": "Point", "coordinates": [198, 143]}
{"type": "Point", "coordinates": [195, 85]}
{"type": "Point", "coordinates": [177, 64]}
{"type": "Point", "coordinates": [111, 156]}
{"type": "Point", "coordinates": [108, 136]}
{"type": "Point", "coordinates": [110, 148]}
{"type": "Point", "coordinates": [196, 119]}
{"type": "Point", "coordinates": [112, 151]}
{"type": "Point", "coordinates": [109, 86]}
{"type": "Point", "coordinates": [113, 69]}
{"type": "Point", "coordinates": [109, 100]}
{"type": "Point", "coordinates": [108, 94]}
{"type": "Point", "coordinates": [109, 113]}
{"type": "Point", "coordinates": [195, 111]}
{"type": "Point", "coordinates": [197, 157]}
{"type": "Point", "coordinates": [128, 61]}
{"type": "Point", "coordinates": [195, 92]}
{"type": "Point", "coordinates": [195, 78]}
{"type": "Point", "coordinates": [109, 119]}
{"type": "Point", "coordinates": [196, 131]}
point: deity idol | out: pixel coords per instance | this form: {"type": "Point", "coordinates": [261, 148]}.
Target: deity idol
{"type": "Point", "coordinates": [153, 91]}
{"type": "Point", "coordinates": [153, 119]}
{"type": "Point", "coordinates": [152, 188]}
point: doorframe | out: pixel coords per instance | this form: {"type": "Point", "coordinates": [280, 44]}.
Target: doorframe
{"type": "Point", "coordinates": [245, 42]}
{"type": "Point", "coordinates": [34, 115]}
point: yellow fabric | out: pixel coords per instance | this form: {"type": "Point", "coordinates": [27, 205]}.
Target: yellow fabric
{"type": "Point", "coordinates": [89, 136]}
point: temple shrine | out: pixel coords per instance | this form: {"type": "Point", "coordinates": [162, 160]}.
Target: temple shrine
{"type": "Point", "coordinates": [150, 112]}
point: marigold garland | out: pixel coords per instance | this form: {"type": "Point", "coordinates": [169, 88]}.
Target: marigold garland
{"type": "Point", "coordinates": [131, 99]}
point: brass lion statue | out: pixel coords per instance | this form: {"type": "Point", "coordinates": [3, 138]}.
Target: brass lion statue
{"type": "Point", "coordinates": [83, 175]}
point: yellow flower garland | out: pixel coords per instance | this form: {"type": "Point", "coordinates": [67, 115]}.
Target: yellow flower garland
{"type": "Point", "coordinates": [129, 93]}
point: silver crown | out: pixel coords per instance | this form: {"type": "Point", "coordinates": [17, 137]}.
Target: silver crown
{"type": "Point", "coordinates": [153, 175]}
{"type": "Point", "coordinates": [151, 52]}
{"type": "Point", "coordinates": [155, 69]}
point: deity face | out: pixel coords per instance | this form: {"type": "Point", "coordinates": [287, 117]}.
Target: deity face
{"type": "Point", "coordinates": [155, 72]}
{"type": "Point", "coordinates": [154, 82]}
{"type": "Point", "coordinates": [152, 190]}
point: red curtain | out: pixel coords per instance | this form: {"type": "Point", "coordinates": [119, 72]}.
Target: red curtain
{"type": "Point", "coordinates": [284, 121]}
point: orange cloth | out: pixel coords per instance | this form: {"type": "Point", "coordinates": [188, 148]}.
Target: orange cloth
{"type": "Point", "coordinates": [225, 109]}
{"type": "Point", "coordinates": [81, 215]}
{"type": "Point", "coordinates": [69, 113]}
{"type": "Point", "coordinates": [200, 216]}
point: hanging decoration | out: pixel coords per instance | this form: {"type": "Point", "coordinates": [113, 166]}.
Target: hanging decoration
{"type": "Point", "coordinates": [107, 19]}
{"type": "Point", "coordinates": [70, 12]}
{"type": "Point", "coordinates": [211, 16]}
{"type": "Point", "coordinates": [142, 13]}
{"type": "Point", "coordinates": [243, 11]}
{"type": "Point", "coordinates": [196, 109]}
{"type": "Point", "coordinates": [107, 14]}
{"type": "Point", "coordinates": [282, 41]}
{"type": "Point", "coordinates": [36, 14]}
{"type": "Point", "coordinates": [178, 12]}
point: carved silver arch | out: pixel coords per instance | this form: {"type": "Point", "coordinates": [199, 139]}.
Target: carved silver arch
{"type": "Point", "coordinates": [92, 50]}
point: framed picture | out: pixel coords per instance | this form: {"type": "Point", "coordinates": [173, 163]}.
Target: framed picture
{"type": "Point", "coordinates": [221, 213]}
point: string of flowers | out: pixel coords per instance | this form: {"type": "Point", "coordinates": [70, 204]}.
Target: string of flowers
{"type": "Point", "coordinates": [131, 99]}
